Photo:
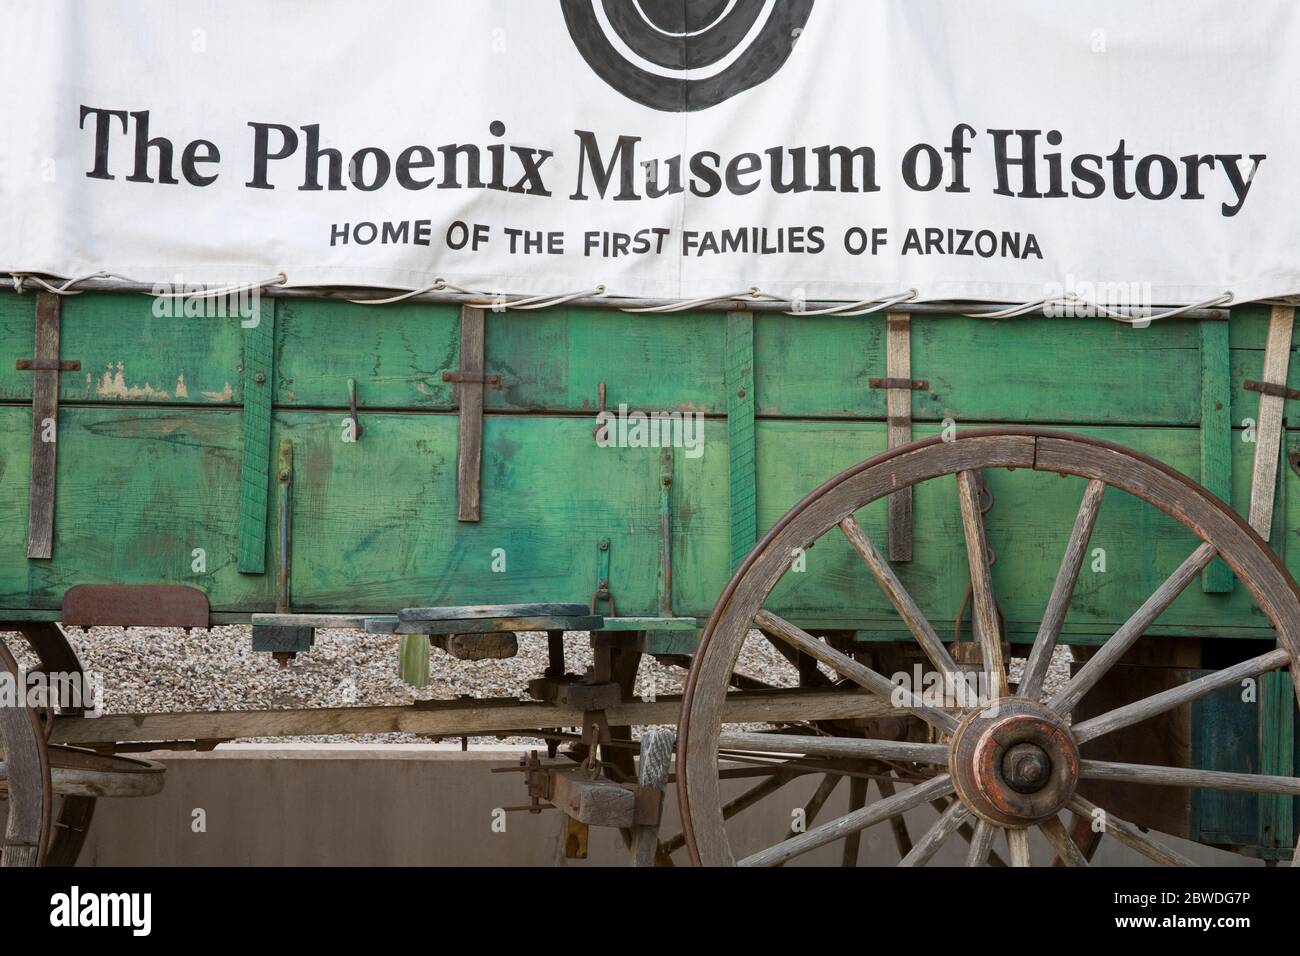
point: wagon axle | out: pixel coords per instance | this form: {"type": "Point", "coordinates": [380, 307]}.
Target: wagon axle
{"type": "Point", "coordinates": [1014, 763]}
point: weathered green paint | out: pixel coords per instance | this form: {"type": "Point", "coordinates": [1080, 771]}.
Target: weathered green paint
{"type": "Point", "coordinates": [413, 660]}
{"type": "Point", "coordinates": [128, 354]}
{"type": "Point", "coordinates": [1216, 435]}
{"type": "Point", "coordinates": [255, 472]}
{"type": "Point", "coordinates": [151, 471]}
{"type": "Point", "coordinates": [1277, 747]}
{"type": "Point", "coordinates": [1243, 732]}
{"type": "Point", "coordinates": [1225, 736]}
{"type": "Point", "coordinates": [396, 354]}
{"type": "Point", "coordinates": [742, 468]}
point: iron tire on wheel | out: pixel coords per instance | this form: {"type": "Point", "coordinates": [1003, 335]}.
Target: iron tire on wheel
{"type": "Point", "coordinates": [958, 767]}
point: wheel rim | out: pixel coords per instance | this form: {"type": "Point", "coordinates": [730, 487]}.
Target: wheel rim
{"type": "Point", "coordinates": [1103, 465]}
{"type": "Point", "coordinates": [64, 834]}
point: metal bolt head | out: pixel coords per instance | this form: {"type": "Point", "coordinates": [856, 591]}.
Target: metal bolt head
{"type": "Point", "coordinates": [1026, 767]}
{"type": "Point", "coordinates": [259, 378]}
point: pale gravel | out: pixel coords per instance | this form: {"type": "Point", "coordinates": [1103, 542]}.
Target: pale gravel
{"type": "Point", "coordinates": [161, 670]}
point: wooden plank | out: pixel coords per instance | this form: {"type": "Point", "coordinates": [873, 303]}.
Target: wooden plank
{"type": "Point", "coordinates": [395, 353]}
{"type": "Point", "coordinates": [1277, 722]}
{"type": "Point", "coordinates": [153, 484]}
{"type": "Point", "coordinates": [1029, 369]}
{"type": "Point", "coordinates": [255, 469]}
{"type": "Point", "coordinates": [128, 355]}
{"type": "Point", "coordinates": [898, 402]}
{"type": "Point", "coordinates": [452, 718]}
{"type": "Point", "coordinates": [1269, 422]}
{"type": "Point", "coordinates": [45, 421]}
{"type": "Point", "coordinates": [469, 459]}
{"type": "Point", "coordinates": [742, 468]}
{"type": "Point", "coordinates": [1216, 435]}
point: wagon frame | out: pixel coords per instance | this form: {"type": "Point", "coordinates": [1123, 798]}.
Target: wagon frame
{"type": "Point", "coordinates": [78, 758]}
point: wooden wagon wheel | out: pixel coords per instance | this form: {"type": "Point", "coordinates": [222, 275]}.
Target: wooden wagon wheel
{"type": "Point", "coordinates": [35, 777]}
{"type": "Point", "coordinates": [1006, 767]}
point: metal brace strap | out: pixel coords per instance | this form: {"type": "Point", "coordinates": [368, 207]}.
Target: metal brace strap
{"type": "Point", "coordinates": [1270, 388]}
{"type": "Point", "coordinates": [47, 365]}
{"type": "Point", "coordinates": [910, 384]}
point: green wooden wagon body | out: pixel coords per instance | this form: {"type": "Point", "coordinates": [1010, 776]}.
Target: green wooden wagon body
{"type": "Point", "coordinates": [168, 417]}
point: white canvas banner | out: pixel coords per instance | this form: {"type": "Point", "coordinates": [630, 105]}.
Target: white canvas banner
{"type": "Point", "coordinates": [1002, 150]}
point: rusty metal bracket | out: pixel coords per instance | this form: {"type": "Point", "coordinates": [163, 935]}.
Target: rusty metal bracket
{"type": "Point", "coordinates": [602, 592]}
{"type": "Point", "coordinates": [352, 408]}
{"type": "Point", "coordinates": [1269, 388]}
{"type": "Point", "coordinates": [600, 410]}
{"type": "Point", "coordinates": [47, 365]}
{"type": "Point", "coordinates": [134, 605]}
{"type": "Point", "coordinates": [473, 378]}
{"type": "Point", "coordinates": [911, 384]}
{"type": "Point", "coordinates": [537, 780]}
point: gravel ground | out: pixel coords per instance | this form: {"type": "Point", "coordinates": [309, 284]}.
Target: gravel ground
{"type": "Point", "coordinates": [157, 670]}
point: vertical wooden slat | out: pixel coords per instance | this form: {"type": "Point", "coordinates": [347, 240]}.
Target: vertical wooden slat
{"type": "Point", "coordinates": [469, 458]}
{"type": "Point", "coordinates": [740, 434]}
{"type": "Point", "coordinates": [1268, 424]}
{"type": "Point", "coordinates": [665, 577]}
{"type": "Point", "coordinates": [1216, 434]}
{"type": "Point", "coordinates": [45, 415]}
{"type": "Point", "coordinates": [1277, 717]}
{"type": "Point", "coordinates": [898, 407]}
{"type": "Point", "coordinates": [255, 471]}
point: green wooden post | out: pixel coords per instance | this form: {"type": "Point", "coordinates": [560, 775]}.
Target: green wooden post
{"type": "Point", "coordinates": [259, 386]}
{"type": "Point", "coordinates": [413, 660]}
{"type": "Point", "coordinates": [740, 434]}
{"type": "Point", "coordinates": [1277, 719]}
{"type": "Point", "coordinates": [1216, 435]}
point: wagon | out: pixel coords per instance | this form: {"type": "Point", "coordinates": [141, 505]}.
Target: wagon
{"type": "Point", "coordinates": [918, 506]}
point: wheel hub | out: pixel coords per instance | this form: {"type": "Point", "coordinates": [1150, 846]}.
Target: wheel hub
{"type": "Point", "coordinates": [1014, 763]}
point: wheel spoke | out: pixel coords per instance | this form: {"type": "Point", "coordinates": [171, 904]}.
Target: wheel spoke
{"type": "Point", "coordinates": [857, 800]}
{"type": "Point", "coordinates": [1059, 837]}
{"type": "Point", "coordinates": [815, 803]}
{"type": "Point", "coordinates": [1177, 696]}
{"type": "Point", "coordinates": [1187, 777]}
{"type": "Point", "coordinates": [933, 838]}
{"type": "Point", "coordinates": [1018, 845]}
{"type": "Point", "coordinates": [1130, 835]}
{"type": "Point", "coordinates": [1119, 642]}
{"type": "Point", "coordinates": [851, 747]}
{"type": "Point", "coordinates": [853, 822]}
{"type": "Point", "coordinates": [907, 608]}
{"type": "Point", "coordinates": [1040, 657]}
{"type": "Point", "coordinates": [872, 680]}
{"type": "Point", "coordinates": [981, 843]}
{"type": "Point", "coordinates": [984, 612]}
{"type": "Point", "coordinates": [734, 806]}
{"type": "Point", "coordinates": [898, 824]}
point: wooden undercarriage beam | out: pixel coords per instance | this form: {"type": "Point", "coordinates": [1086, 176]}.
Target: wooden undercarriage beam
{"type": "Point", "coordinates": [450, 718]}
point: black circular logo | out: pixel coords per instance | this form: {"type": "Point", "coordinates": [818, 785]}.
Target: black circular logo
{"type": "Point", "coordinates": [685, 55]}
